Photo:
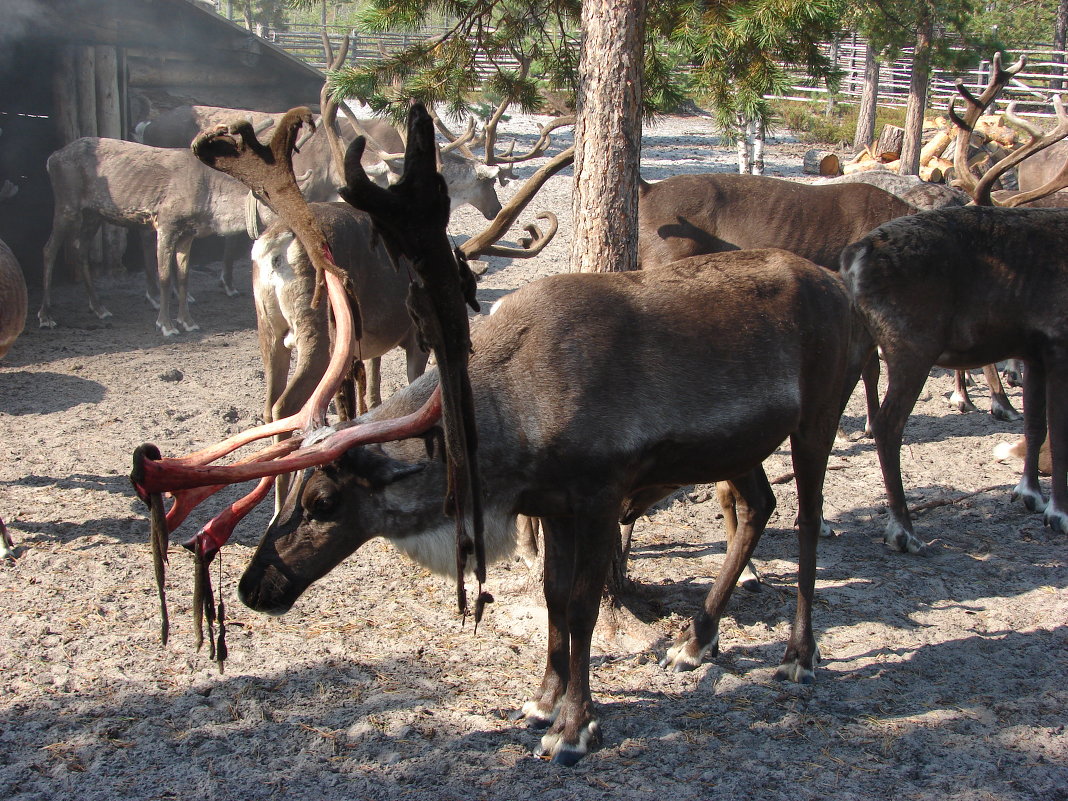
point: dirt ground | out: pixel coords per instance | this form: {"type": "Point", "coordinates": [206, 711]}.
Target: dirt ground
{"type": "Point", "coordinates": [943, 676]}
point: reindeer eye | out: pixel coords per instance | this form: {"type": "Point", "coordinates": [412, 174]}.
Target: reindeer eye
{"type": "Point", "coordinates": [321, 505]}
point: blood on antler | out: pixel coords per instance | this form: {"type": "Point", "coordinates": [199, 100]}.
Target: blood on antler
{"type": "Point", "coordinates": [267, 170]}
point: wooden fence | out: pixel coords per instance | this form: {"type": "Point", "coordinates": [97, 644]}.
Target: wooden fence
{"type": "Point", "coordinates": [1033, 88]}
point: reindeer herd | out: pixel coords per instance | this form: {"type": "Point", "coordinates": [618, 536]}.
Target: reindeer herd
{"type": "Point", "coordinates": [758, 306]}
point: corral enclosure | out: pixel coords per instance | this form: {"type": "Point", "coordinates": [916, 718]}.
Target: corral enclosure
{"type": "Point", "coordinates": [942, 676]}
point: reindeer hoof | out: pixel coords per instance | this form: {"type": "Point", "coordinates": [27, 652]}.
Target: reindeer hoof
{"type": "Point", "coordinates": [189, 326]}
{"type": "Point", "coordinates": [688, 655]}
{"type": "Point", "coordinates": [167, 329]}
{"type": "Point", "coordinates": [897, 536]}
{"type": "Point", "coordinates": [45, 320]}
{"type": "Point", "coordinates": [1056, 520]}
{"type": "Point", "coordinates": [535, 717]}
{"type": "Point", "coordinates": [1005, 413]}
{"type": "Point", "coordinates": [1031, 497]}
{"type": "Point", "coordinates": [568, 754]}
{"type": "Point", "coordinates": [962, 404]}
{"type": "Point", "coordinates": [102, 313]}
{"type": "Point", "coordinates": [794, 671]}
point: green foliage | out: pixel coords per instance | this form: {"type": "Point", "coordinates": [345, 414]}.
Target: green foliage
{"type": "Point", "coordinates": [729, 51]}
{"type": "Point", "coordinates": [812, 124]}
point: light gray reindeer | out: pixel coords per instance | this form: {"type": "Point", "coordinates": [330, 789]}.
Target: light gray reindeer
{"type": "Point", "coordinates": [129, 184]}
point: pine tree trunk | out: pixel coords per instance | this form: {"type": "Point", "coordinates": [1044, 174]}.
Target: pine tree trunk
{"type": "Point", "coordinates": [921, 75]}
{"type": "Point", "coordinates": [869, 100]}
{"type": "Point", "coordinates": [1060, 42]}
{"type": "Point", "coordinates": [607, 151]}
{"type": "Point", "coordinates": [608, 137]}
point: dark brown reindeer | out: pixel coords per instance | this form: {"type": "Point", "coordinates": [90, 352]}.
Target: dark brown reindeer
{"type": "Point", "coordinates": [965, 287]}
{"type": "Point", "coordinates": [574, 446]}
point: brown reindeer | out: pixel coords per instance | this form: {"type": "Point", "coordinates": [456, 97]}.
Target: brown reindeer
{"type": "Point", "coordinates": [574, 445]}
{"type": "Point", "coordinates": [691, 214]}
{"type": "Point", "coordinates": [964, 287]}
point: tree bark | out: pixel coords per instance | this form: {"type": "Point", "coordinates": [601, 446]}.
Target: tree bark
{"type": "Point", "coordinates": [869, 100]}
{"type": "Point", "coordinates": [921, 75]}
{"type": "Point", "coordinates": [608, 136]}
{"type": "Point", "coordinates": [607, 151]}
{"type": "Point", "coordinates": [1060, 42]}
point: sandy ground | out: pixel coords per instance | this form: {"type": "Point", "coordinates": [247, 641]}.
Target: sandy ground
{"type": "Point", "coordinates": [943, 676]}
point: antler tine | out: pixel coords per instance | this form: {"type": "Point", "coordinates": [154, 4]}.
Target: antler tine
{"type": "Point", "coordinates": [313, 413]}
{"type": "Point", "coordinates": [530, 245]}
{"type": "Point", "coordinates": [483, 241]}
{"type": "Point", "coordinates": [999, 79]}
{"type": "Point", "coordinates": [161, 475]}
{"type": "Point", "coordinates": [1041, 142]}
{"type": "Point", "coordinates": [460, 142]}
{"type": "Point", "coordinates": [543, 143]}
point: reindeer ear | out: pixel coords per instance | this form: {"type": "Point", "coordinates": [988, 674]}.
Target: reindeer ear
{"type": "Point", "coordinates": [374, 470]}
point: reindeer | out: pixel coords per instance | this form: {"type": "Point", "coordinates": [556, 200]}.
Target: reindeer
{"type": "Point", "coordinates": [566, 443]}
{"type": "Point", "coordinates": [686, 215]}
{"type": "Point", "coordinates": [129, 184]}
{"type": "Point", "coordinates": [283, 285]}
{"type": "Point", "coordinates": [968, 286]}
{"type": "Point", "coordinates": [12, 321]}
{"type": "Point", "coordinates": [12, 299]}
{"type": "Point", "coordinates": [549, 451]}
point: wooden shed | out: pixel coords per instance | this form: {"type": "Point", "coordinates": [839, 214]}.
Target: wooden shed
{"type": "Point", "coordinates": [71, 68]}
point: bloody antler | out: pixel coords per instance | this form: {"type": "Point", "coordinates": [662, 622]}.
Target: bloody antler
{"type": "Point", "coordinates": [268, 171]}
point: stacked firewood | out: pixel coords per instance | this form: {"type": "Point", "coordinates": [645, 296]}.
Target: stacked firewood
{"type": "Point", "coordinates": [991, 141]}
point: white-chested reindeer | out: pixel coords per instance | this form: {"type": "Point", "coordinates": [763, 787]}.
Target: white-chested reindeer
{"type": "Point", "coordinates": [965, 287]}
{"type": "Point", "coordinates": [592, 393]}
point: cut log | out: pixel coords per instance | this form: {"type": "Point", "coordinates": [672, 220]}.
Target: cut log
{"type": "Point", "coordinates": [890, 141]}
{"type": "Point", "coordinates": [821, 162]}
{"type": "Point", "coordinates": [863, 166]}
{"type": "Point", "coordinates": [939, 142]}
{"type": "Point", "coordinates": [931, 173]}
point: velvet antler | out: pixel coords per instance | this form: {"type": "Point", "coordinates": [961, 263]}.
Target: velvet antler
{"type": "Point", "coordinates": [412, 215]}
{"type": "Point", "coordinates": [268, 172]}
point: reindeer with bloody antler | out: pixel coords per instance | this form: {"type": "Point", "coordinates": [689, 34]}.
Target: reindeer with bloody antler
{"type": "Point", "coordinates": [439, 299]}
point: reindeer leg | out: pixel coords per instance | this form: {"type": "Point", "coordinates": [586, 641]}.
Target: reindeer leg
{"type": "Point", "coordinates": [81, 249]}
{"type": "Point", "coordinates": [181, 257]}
{"type": "Point", "coordinates": [1000, 406]}
{"type": "Point", "coordinates": [1056, 514]}
{"type": "Point", "coordinates": [1028, 489]}
{"type": "Point", "coordinates": [959, 400]}
{"type": "Point", "coordinates": [148, 252]}
{"type": "Point", "coordinates": [165, 251]}
{"type": "Point", "coordinates": [63, 224]}
{"type": "Point", "coordinates": [810, 468]}
{"type": "Point", "coordinates": [577, 553]}
{"type": "Point", "coordinates": [754, 502]}
{"type": "Point", "coordinates": [232, 245]}
{"type": "Point", "coordinates": [750, 578]}
{"type": "Point", "coordinates": [904, 388]}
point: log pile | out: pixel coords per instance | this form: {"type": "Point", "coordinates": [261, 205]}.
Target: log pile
{"type": "Point", "coordinates": [991, 141]}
